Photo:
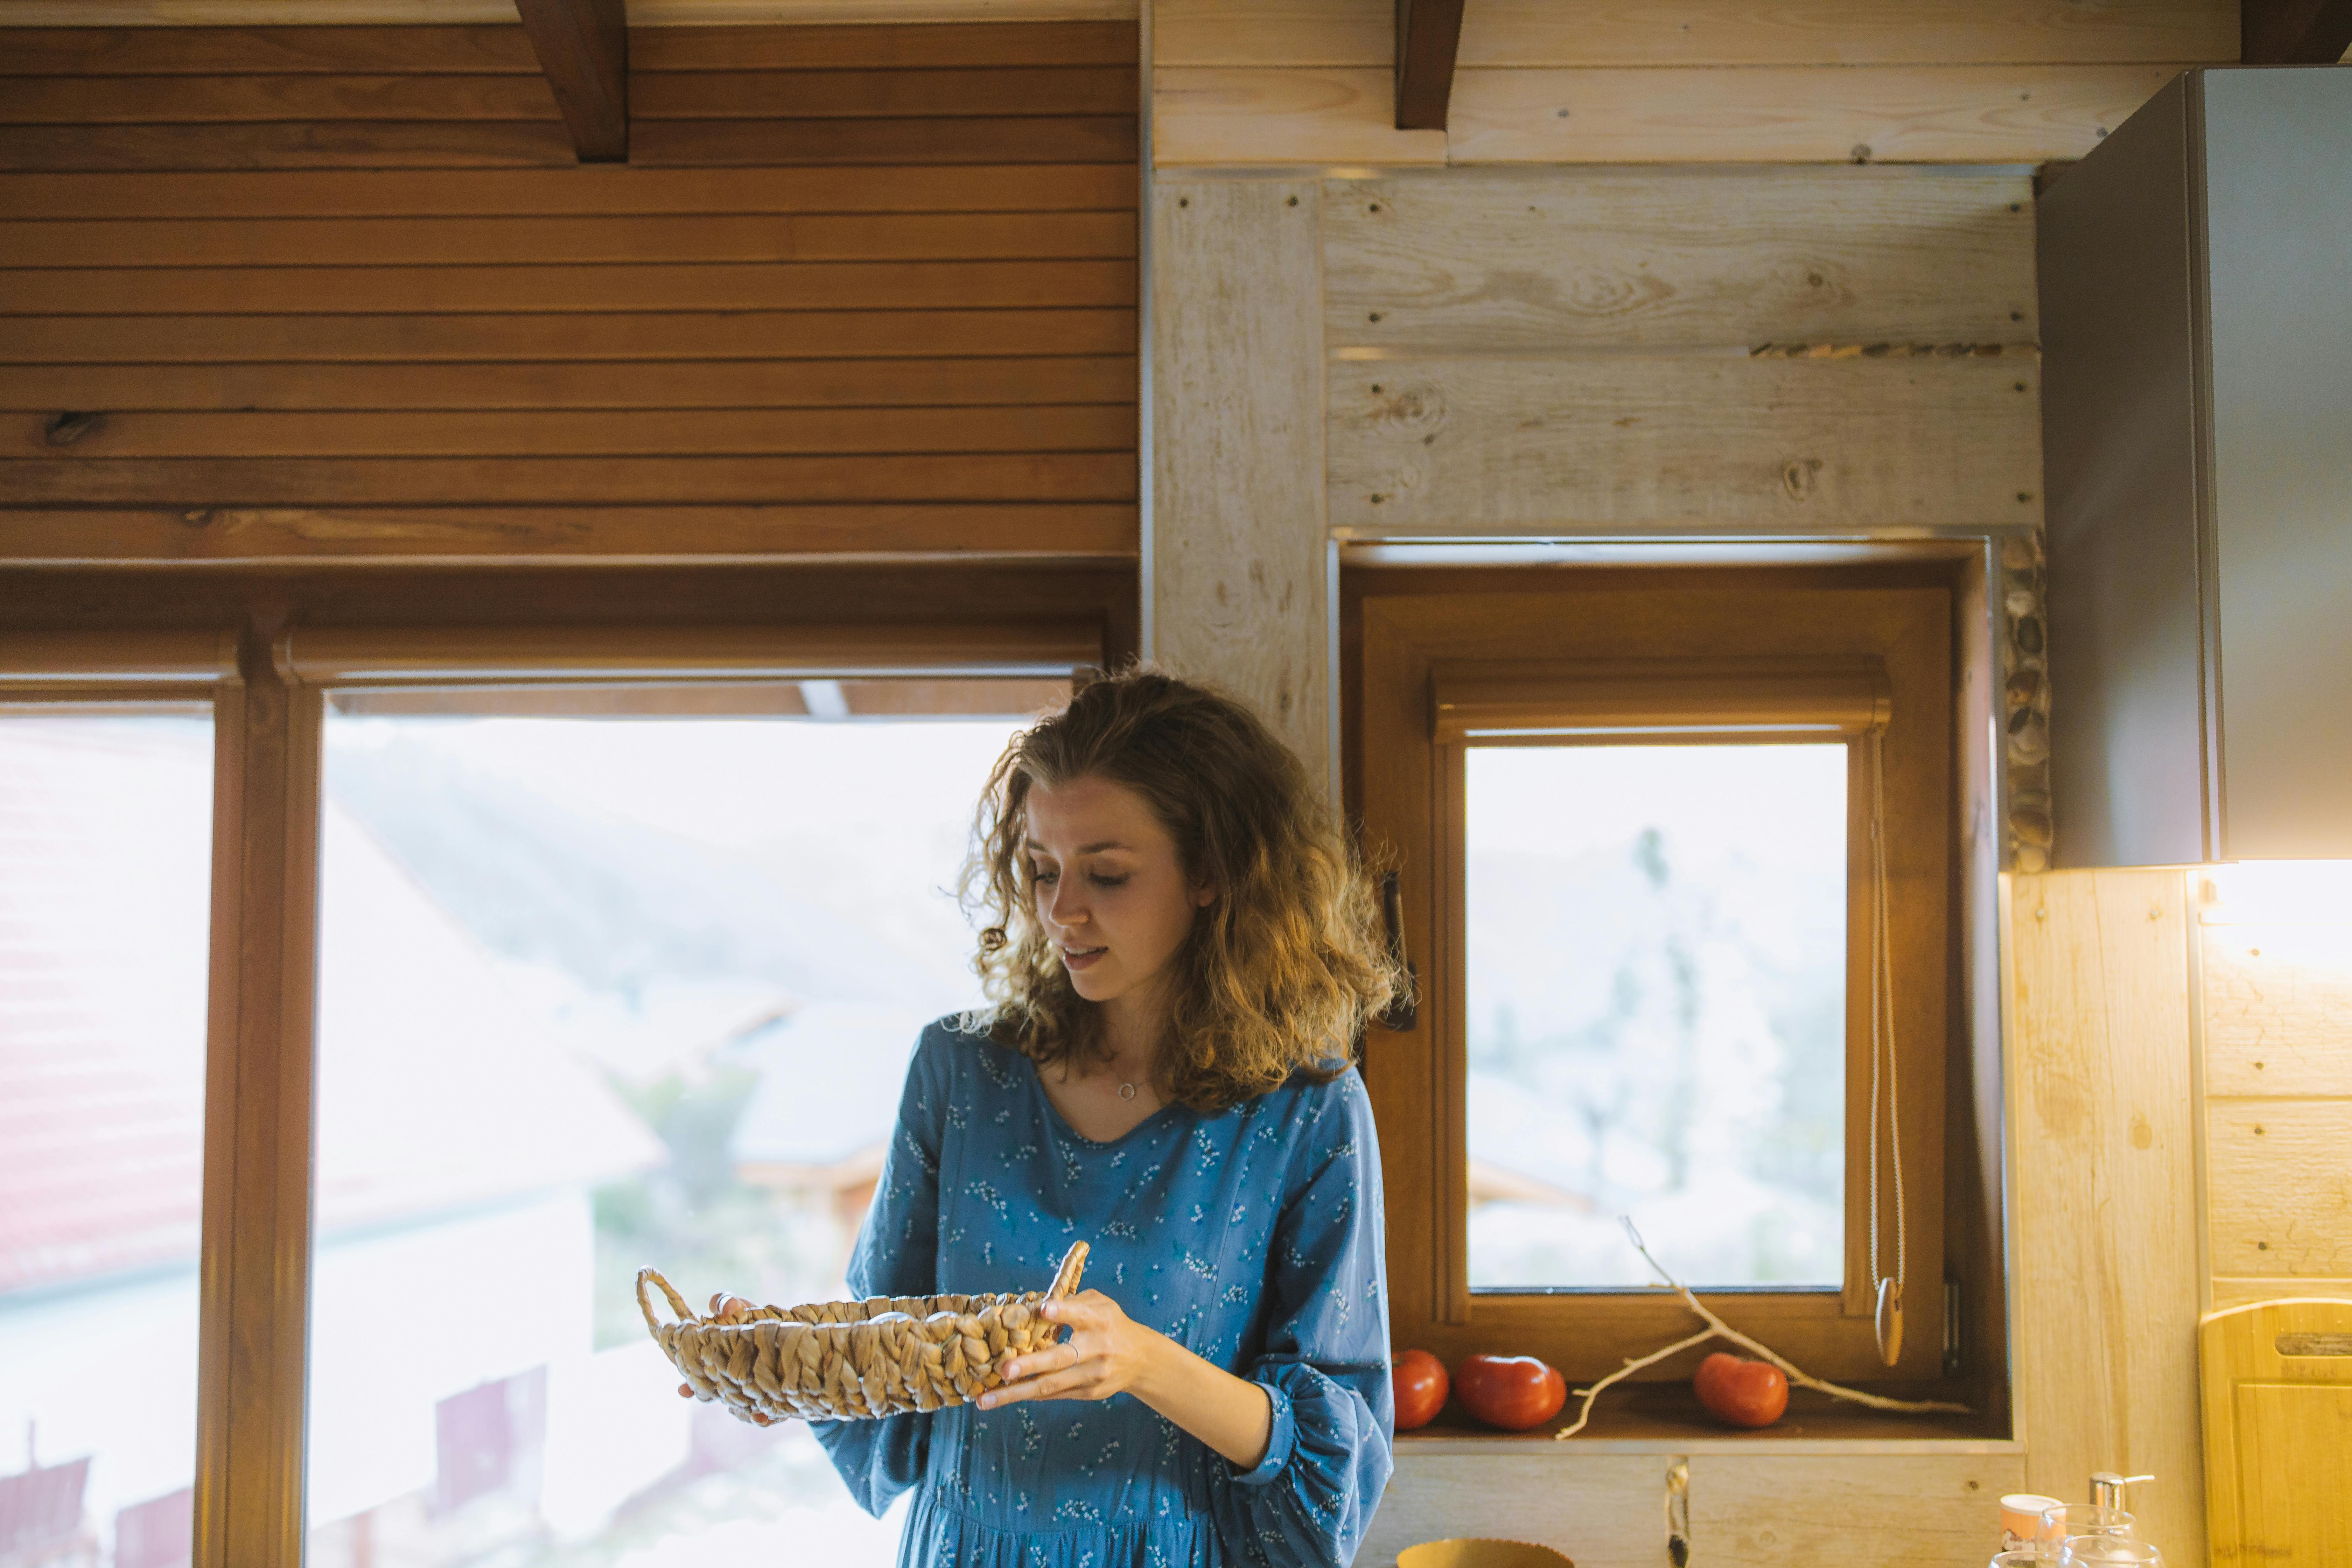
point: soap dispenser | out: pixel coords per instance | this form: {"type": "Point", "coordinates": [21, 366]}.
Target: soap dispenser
{"type": "Point", "coordinates": [2109, 1489]}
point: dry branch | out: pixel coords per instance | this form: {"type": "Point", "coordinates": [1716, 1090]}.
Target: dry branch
{"type": "Point", "coordinates": [1717, 1328]}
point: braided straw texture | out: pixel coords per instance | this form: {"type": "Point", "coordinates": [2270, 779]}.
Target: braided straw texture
{"type": "Point", "coordinates": [853, 1359]}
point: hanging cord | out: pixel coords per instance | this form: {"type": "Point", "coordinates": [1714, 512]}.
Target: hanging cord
{"type": "Point", "coordinates": [1881, 1019]}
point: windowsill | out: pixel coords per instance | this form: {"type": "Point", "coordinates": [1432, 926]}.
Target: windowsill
{"type": "Point", "coordinates": [1666, 1417]}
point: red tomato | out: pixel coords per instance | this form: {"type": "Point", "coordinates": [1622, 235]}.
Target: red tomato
{"type": "Point", "coordinates": [1514, 1392]}
{"type": "Point", "coordinates": [1421, 1386]}
{"type": "Point", "coordinates": [1744, 1392]}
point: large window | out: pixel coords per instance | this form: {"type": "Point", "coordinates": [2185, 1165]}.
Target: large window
{"type": "Point", "coordinates": [597, 992]}
{"type": "Point", "coordinates": [1636, 820]}
{"type": "Point", "coordinates": [105, 873]}
{"type": "Point", "coordinates": [377, 996]}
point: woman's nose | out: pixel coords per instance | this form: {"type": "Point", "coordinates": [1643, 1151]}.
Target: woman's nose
{"type": "Point", "coordinates": [1067, 908]}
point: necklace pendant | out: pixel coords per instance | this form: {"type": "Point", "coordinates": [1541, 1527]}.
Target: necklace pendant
{"type": "Point", "coordinates": [1127, 1091]}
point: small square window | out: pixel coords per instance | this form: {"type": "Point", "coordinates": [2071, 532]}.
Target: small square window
{"type": "Point", "coordinates": [1633, 819]}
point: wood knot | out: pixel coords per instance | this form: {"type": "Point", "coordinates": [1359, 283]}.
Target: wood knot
{"type": "Point", "coordinates": [1801, 478]}
{"type": "Point", "coordinates": [1412, 409]}
{"type": "Point", "coordinates": [67, 428]}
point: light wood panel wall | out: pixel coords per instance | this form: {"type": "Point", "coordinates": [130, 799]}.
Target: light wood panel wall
{"type": "Point", "coordinates": [343, 290]}
{"type": "Point", "coordinates": [1758, 1510]}
{"type": "Point", "coordinates": [1237, 442]}
{"type": "Point", "coordinates": [1306, 81]}
{"type": "Point", "coordinates": [1526, 261]}
{"type": "Point", "coordinates": [1529, 353]}
{"type": "Point", "coordinates": [2278, 1070]}
{"type": "Point", "coordinates": [2103, 1123]}
{"type": "Point", "coordinates": [1533, 351]}
{"type": "Point", "coordinates": [1731, 444]}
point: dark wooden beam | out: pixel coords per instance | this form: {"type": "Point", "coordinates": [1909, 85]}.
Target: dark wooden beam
{"type": "Point", "coordinates": [2294, 32]}
{"type": "Point", "coordinates": [583, 48]}
{"type": "Point", "coordinates": [1428, 32]}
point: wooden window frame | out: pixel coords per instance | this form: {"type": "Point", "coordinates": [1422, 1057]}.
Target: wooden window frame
{"type": "Point", "coordinates": [1405, 633]}
{"type": "Point", "coordinates": [268, 648]}
{"type": "Point", "coordinates": [92, 670]}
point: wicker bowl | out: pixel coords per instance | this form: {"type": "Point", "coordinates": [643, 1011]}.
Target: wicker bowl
{"type": "Point", "coordinates": [1481, 1554]}
{"type": "Point", "coordinates": [837, 1360]}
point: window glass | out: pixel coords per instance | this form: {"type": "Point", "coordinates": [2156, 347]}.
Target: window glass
{"type": "Point", "coordinates": [105, 879]}
{"type": "Point", "coordinates": [1656, 1000]}
{"type": "Point", "coordinates": [599, 993]}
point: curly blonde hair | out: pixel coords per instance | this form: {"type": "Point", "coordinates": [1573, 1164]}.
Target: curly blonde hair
{"type": "Point", "coordinates": [1284, 967]}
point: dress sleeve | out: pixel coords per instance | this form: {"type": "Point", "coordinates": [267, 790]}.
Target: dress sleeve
{"type": "Point", "coordinates": [898, 1255]}
{"type": "Point", "coordinates": [1325, 1365]}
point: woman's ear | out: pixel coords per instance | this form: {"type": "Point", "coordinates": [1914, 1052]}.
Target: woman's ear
{"type": "Point", "coordinates": [1203, 894]}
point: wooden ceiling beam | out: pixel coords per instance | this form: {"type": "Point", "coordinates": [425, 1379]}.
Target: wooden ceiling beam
{"type": "Point", "coordinates": [2294, 32]}
{"type": "Point", "coordinates": [1428, 35]}
{"type": "Point", "coordinates": [583, 48]}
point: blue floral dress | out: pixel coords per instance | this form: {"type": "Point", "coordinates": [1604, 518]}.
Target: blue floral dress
{"type": "Point", "coordinates": [1251, 1237]}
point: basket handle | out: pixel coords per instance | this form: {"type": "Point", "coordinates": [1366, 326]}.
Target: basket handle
{"type": "Point", "coordinates": [677, 1302]}
{"type": "Point", "coordinates": [1066, 1278]}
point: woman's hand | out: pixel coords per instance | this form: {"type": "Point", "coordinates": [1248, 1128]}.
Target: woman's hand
{"type": "Point", "coordinates": [1108, 1352]}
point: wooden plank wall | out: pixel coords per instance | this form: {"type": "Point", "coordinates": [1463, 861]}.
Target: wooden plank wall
{"type": "Point", "coordinates": [1990, 81]}
{"type": "Point", "coordinates": [1748, 1507]}
{"type": "Point", "coordinates": [343, 290]}
{"type": "Point", "coordinates": [2277, 1008]}
{"type": "Point", "coordinates": [2102, 1122]}
{"type": "Point", "coordinates": [1542, 351]}
{"type": "Point", "coordinates": [1238, 459]}
{"type": "Point", "coordinates": [1527, 351]}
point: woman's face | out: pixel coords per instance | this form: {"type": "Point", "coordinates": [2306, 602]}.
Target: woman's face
{"type": "Point", "coordinates": [1111, 888]}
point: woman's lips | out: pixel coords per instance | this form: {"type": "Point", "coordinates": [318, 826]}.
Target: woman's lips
{"type": "Point", "coordinates": [1081, 957]}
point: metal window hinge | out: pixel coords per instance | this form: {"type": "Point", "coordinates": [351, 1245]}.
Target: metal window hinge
{"type": "Point", "coordinates": [1404, 1010]}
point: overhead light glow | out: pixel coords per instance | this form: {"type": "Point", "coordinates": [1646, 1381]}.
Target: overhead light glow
{"type": "Point", "coordinates": [2286, 892]}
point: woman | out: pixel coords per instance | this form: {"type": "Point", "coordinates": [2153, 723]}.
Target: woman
{"type": "Point", "coordinates": [1180, 953]}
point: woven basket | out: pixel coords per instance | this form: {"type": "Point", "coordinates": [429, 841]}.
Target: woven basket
{"type": "Point", "coordinates": [853, 1359]}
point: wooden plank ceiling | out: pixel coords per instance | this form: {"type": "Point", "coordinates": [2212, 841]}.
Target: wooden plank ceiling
{"type": "Point", "coordinates": [452, 13]}
{"type": "Point", "coordinates": [330, 290]}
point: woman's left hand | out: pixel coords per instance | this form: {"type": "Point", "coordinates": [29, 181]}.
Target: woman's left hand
{"type": "Point", "coordinates": [1108, 1352]}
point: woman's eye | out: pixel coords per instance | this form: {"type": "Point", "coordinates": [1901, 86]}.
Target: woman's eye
{"type": "Point", "coordinates": [1041, 877]}
{"type": "Point", "coordinates": [1102, 881]}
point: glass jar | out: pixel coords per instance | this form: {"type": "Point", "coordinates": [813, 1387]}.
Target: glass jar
{"type": "Point", "coordinates": [2107, 1552]}
{"type": "Point", "coordinates": [2074, 1519]}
